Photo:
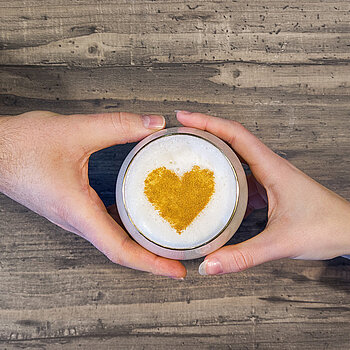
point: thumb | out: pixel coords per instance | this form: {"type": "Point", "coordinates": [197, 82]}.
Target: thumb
{"type": "Point", "coordinates": [235, 258]}
{"type": "Point", "coordinates": [97, 131]}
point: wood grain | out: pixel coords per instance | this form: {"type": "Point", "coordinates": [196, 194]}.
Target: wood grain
{"type": "Point", "coordinates": [113, 33]}
{"type": "Point", "coordinates": [279, 67]}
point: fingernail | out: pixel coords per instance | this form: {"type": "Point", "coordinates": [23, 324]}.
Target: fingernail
{"type": "Point", "coordinates": [178, 278]}
{"type": "Point", "coordinates": [183, 112]}
{"type": "Point", "coordinates": [210, 267]}
{"type": "Point", "coordinates": [153, 122]}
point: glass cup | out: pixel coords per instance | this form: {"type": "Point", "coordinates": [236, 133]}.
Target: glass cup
{"type": "Point", "coordinates": [223, 216]}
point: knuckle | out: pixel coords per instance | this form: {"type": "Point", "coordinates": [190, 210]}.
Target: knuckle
{"type": "Point", "coordinates": [241, 260]}
{"type": "Point", "coordinates": [61, 216]}
{"type": "Point", "coordinates": [157, 262]}
{"type": "Point", "coordinates": [232, 140]}
{"type": "Point", "coordinates": [61, 212]}
{"type": "Point", "coordinates": [115, 258]}
{"type": "Point", "coordinates": [120, 123]}
{"type": "Point", "coordinates": [116, 119]}
{"type": "Point", "coordinates": [236, 124]}
{"type": "Point", "coordinates": [64, 213]}
{"type": "Point", "coordinates": [118, 256]}
{"type": "Point", "coordinates": [236, 128]}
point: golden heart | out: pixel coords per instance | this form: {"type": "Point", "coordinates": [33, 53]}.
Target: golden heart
{"type": "Point", "coordinates": [179, 200]}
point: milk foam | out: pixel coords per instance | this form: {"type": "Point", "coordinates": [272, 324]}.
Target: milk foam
{"type": "Point", "coordinates": [180, 153]}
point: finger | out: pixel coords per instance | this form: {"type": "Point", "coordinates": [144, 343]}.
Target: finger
{"type": "Point", "coordinates": [97, 131]}
{"type": "Point", "coordinates": [235, 258]}
{"type": "Point", "coordinates": [259, 157]}
{"type": "Point", "coordinates": [99, 228]}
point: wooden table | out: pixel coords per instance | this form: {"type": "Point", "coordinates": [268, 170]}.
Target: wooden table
{"type": "Point", "coordinates": [279, 67]}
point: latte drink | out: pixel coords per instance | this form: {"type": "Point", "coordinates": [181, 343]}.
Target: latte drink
{"type": "Point", "coordinates": [181, 193]}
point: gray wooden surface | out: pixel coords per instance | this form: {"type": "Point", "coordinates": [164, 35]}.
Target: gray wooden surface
{"type": "Point", "coordinates": [279, 67]}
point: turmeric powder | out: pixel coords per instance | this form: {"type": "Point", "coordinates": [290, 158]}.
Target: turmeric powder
{"type": "Point", "coordinates": [179, 200]}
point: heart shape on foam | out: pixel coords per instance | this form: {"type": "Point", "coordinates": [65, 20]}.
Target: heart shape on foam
{"type": "Point", "coordinates": [179, 200]}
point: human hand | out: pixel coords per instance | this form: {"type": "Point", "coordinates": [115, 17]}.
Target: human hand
{"type": "Point", "coordinates": [305, 219]}
{"type": "Point", "coordinates": [44, 165]}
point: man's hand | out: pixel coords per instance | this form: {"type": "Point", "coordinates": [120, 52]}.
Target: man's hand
{"type": "Point", "coordinates": [44, 165]}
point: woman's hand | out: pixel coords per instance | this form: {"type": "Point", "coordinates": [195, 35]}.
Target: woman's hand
{"type": "Point", "coordinates": [44, 165]}
{"type": "Point", "coordinates": [305, 219]}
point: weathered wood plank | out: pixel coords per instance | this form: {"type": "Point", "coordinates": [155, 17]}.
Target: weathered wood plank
{"type": "Point", "coordinates": [230, 341]}
{"type": "Point", "coordinates": [87, 33]}
{"type": "Point", "coordinates": [236, 320]}
{"type": "Point", "coordinates": [204, 83]}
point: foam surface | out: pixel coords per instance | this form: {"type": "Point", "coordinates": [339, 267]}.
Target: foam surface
{"type": "Point", "coordinates": [180, 153]}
